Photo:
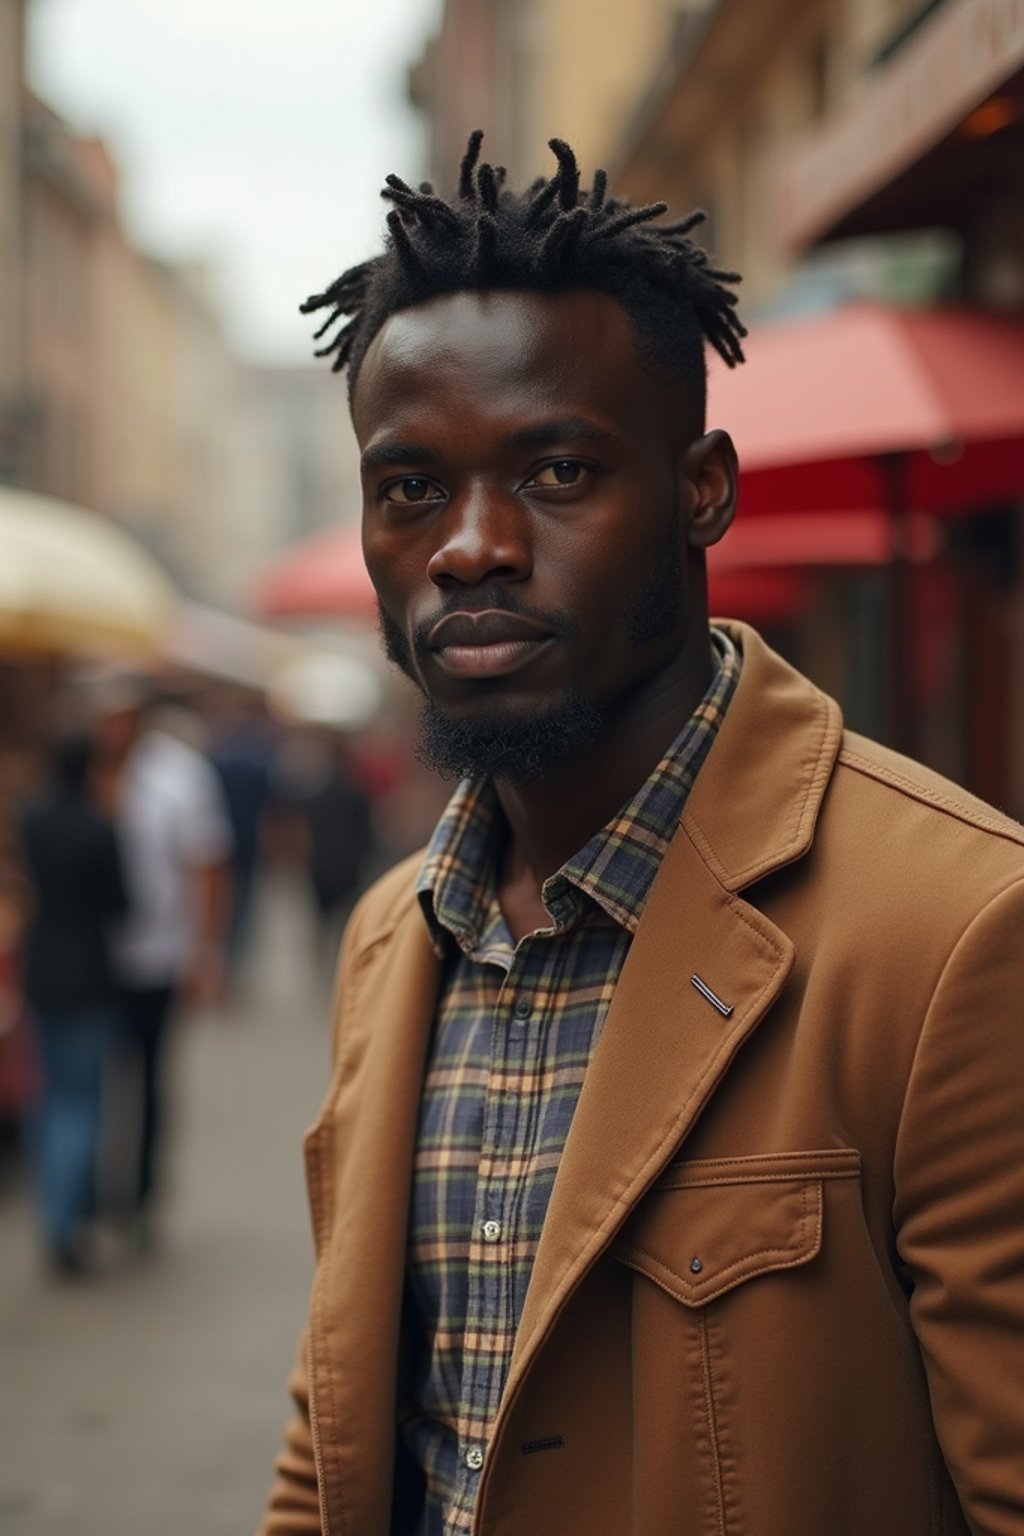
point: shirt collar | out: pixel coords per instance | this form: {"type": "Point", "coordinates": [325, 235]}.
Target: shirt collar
{"type": "Point", "coordinates": [457, 883]}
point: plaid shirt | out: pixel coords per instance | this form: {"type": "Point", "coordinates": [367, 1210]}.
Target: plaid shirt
{"type": "Point", "coordinates": [515, 1027]}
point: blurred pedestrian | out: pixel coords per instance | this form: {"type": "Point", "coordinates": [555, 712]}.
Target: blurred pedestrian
{"type": "Point", "coordinates": [176, 842]}
{"type": "Point", "coordinates": [73, 866]}
{"type": "Point", "coordinates": [242, 750]}
{"type": "Point", "coordinates": [321, 779]}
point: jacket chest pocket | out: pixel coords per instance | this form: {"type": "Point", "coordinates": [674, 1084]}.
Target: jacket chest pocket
{"type": "Point", "coordinates": [707, 1226]}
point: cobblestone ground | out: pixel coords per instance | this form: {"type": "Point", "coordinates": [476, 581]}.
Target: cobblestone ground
{"type": "Point", "coordinates": [150, 1397]}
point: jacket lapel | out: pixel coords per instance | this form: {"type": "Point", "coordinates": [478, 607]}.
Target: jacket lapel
{"type": "Point", "coordinates": [663, 1048]}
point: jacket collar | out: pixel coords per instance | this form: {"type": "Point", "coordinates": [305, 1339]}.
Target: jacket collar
{"type": "Point", "coordinates": [755, 806]}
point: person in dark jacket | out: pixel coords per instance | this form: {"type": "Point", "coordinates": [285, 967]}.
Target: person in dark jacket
{"type": "Point", "coordinates": [72, 863]}
{"type": "Point", "coordinates": [339, 818]}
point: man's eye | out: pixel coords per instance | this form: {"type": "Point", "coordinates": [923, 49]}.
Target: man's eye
{"type": "Point", "coordinates": [405, 492]}
{"type": "Point", "coordinates": [561, 472]}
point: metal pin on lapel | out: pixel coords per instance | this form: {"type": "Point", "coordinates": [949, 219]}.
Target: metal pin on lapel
{"type": "Point", "coordinates": [725, 1009]}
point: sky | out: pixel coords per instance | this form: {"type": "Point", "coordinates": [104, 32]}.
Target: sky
{"type": "Point", "coordinates": [252, 133]}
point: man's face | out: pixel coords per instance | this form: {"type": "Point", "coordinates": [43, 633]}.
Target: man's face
{"type": "Point", "coordinates": [524, 521]}
{"type": "Point", "coordinates": [116, 732]}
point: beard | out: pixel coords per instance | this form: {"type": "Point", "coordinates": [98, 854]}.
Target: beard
{"type": "Point", "coordinates": [505, 745]}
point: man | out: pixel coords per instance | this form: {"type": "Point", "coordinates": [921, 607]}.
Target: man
{"type": "Point", "coordinates": [176, 841]}
{"type": "Point", "coordinates": [669, 1182]}
{"type": "Point", "coordinates": [73, 867]}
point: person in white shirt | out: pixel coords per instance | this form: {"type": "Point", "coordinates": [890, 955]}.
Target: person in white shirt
{"type": "Point", "coordinates": [175, 839]}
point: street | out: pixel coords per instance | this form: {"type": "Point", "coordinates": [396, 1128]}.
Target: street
{"type": "Point", "coordinates": [151, 1395]}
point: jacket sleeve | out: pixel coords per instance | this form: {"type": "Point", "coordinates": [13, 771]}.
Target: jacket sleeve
{"type": "Point", "coordinates": [959, 1213]}
{"type": "Point", "coordinates": [293, 1508]}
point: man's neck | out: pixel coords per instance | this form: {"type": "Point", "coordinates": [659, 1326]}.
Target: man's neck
{"type": "Point", "coordinates": [554, 818]}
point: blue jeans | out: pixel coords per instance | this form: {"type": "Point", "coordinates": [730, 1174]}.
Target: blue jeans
{"type": "Point", "coordinates": [73, 1050]}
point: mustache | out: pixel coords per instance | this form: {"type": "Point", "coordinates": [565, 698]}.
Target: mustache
{"type": "Point", "coordinates": [482, 598]}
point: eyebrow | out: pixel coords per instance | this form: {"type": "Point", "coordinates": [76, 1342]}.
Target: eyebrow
{"type": "Point", "coordinates": [395, 453]}
{"type": "Point", "coordinates": [544, 435]}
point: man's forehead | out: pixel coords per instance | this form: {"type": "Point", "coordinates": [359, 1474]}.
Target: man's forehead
{"type": "Point", "coordinates": [495, 341]}
{"type": "Point", "coordinates": [469, 317]}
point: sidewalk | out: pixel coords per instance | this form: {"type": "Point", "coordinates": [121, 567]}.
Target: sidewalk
{"type": "Point", "coordinates": [151, 1397]}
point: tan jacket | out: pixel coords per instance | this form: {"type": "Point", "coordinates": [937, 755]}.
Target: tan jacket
{"type": "Point", "coordinates": [780, 1288]}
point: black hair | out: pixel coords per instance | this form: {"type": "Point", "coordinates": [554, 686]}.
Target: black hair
{"type": "Point", "coordinates": [552, 237]}
{"type": "Point", "coordinates": [71, 756]}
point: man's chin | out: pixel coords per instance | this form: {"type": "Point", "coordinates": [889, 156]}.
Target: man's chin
{"type": "Point", "coordinates": [519, 747]}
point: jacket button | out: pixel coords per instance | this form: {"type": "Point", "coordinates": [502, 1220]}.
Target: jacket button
{"type": "Point", "coordinates": [491, 1231]}
{"type": "Point", "coordinates": [522, 1008]}
{"type": "Point", "coordinates": [474, 1458]}
{"type": "Point", "coordinates": [695, 1266]}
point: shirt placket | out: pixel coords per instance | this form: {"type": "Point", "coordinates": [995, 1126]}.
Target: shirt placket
{"type": "Point", "coordinates": [493, 1301]}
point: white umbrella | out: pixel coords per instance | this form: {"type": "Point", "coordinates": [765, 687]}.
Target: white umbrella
{"type": "Point", "coordinates": [332, 685]}
{"type": "Point", "coordinates": [72, 580]}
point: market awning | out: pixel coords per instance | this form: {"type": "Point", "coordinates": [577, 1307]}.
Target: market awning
{"type": "Point", "coordinates": [805, 541]}
{"type": "Point", "coordinates": [763, 570]}
{"type": "Point", "coordinates": [73, 581]}
{"type": "Point", "coordinates": [827, 409]}
{"type": "Point", "coordinates": [320, 577]}
{"type": "Point", "coordinates": [759, 597]}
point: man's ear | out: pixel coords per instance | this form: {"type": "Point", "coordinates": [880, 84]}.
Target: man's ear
{"type": "Point", "coordinates": [711, 471]}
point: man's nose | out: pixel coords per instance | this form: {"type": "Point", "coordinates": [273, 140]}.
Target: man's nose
{"type": "Point", "coordinates": [484, 537]}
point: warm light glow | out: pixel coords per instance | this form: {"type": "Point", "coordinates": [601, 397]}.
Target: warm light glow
{"type": "Point", "coordinates": [992, 116]}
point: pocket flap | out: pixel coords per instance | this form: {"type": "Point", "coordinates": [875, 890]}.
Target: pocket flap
{"type": "Point", "coordinates": [706, 1227]}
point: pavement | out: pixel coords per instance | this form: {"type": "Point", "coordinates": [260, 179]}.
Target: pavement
{"type": "Point", "coordinates": [150, 1396]}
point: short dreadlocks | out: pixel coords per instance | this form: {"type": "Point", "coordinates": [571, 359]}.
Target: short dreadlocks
{"type": "Point", "coordinates": [552, 237]}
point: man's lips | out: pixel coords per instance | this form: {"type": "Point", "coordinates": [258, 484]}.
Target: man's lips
{"type": "Point", "coordinates": [489, 626]}
{"type": "Point", "coordinates": [491, 643]}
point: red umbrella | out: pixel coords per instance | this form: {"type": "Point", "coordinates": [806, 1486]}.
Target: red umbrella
{"type": "Point", "coordinates": [321, 577]}
{"type": "Point", "coordinates": [874, 406]}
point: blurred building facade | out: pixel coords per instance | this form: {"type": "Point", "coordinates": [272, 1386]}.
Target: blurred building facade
{"type": "Point", "coordinates": [523, 70]}
{"type": "Point", "coordinates": [793, 123]}
{"type": "Point", "coordinates": [12, 239]}
{"type": "Point", "coordinates": [803, 123]}
{"type": "Point", "coordinates": [118, 388]}
{"type": "Point", "coordinates": [68, 197]}
{"type": "Point", "coordinates": [304, 461]}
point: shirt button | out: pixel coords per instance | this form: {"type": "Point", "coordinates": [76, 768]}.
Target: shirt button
{"type": "Point", "coordinates": [523, 1008]}
{"type": "Point", "coordinates": [491, 1231]}
{"type": "Point", "coordinates": [474, 1458]}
